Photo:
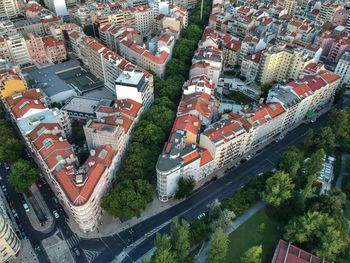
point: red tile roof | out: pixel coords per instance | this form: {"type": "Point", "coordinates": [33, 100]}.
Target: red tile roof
{"type": "Point", "coordinates": [199, 102]}
{"type": "Point", "coordinates": [95, 165]}
{"type": "Point", "coordinates": [190, 157]}
{"type": "Point", "coordinates": [205, 156]}
{"type": "Point", "coordinates": [288, 253]}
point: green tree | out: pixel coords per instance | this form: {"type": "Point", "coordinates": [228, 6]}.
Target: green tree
{"type": "Point", "coordinates": [185, 187]}
{"type": "Point", "coordinates": [290, 161]}
{"type": "Point", "coordinates": [252, 255]}
{"type": "Point", "coordinates": [224, 220]}
{"type": "Point", "coordinates": [318, 233]}
{"type": "Point", "coordinates": [265, 88]}
{"type": "Point", "coordinates": [180, 240]}
{"type": "Point", "coordinates": [279, 188]}
{"type": "Point", "coordinates": [310, 171]}
{"type": "Point", "coordinates": [199, 230]}
{"type": "Point", "coordinates": [10, 149]}
{"type": "Point", "coordinates": [325, 139]}
{"type": "Point", "coordinates": [22, 176]}
{"type": "Point", "coordinates": [128, 199]}
{"type": "Point", "coordinates": [218, 246]}
{"type": "Point", "coordinates": [148, 134]}
{"type": "Point", "coordinates": [163, 250]}
{"type": "Point", "coordinates": [331, 203]}
{"type": "Point", "coordinates": [339, 121]}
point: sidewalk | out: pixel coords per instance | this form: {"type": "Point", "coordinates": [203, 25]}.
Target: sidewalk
{"type": "Point", "coordinates": [343, 171]}
{"type": "Point", "coordinates": [235, 224]}
{"type": "Point", "coordinates": [110, 225]}
{"type": "Point", "coordinates": [33, 217]}
{"type": "Point", "coordinates": [26, 253]}
{"type": "Point", "coordinates": [57, 249]}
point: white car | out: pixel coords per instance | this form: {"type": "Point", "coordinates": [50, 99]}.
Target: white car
{"type": "Point", "coordinates": [201, 215]}
{"type": "Point", "coordinates": [26, 207]}
{"type": "Point", "coordinates": [55, 214]}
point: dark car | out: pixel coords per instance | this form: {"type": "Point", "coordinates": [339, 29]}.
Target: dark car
{"type": "Point", "coordinates": [76, 252]}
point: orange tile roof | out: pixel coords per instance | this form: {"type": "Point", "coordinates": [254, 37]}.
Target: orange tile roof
{"type": "Point", "coordinates": [24, 105]}
{"type": "Point", "coordinates": [96, 166]}
{"type": "Point", "coordinates": [222, 130]}
{"type": "Point", "coordinates": [190, 157]}
{"type": "Point", "coordinates": [205, 156]}
{"type": "Point", "coordinates": [50, 41]}
{"type": "Point", "coordinates": [200, 102]}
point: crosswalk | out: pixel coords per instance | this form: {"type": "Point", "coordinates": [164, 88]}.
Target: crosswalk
{"type": "Point", "coordinates": [73, 240]}
{"type": "Point", "coordinates": [91, 255]}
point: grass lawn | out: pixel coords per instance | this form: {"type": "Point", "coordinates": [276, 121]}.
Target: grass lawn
{"type": "Point", "coordinates": [251, 233]}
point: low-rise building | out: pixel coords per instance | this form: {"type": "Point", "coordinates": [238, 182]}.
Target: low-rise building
{"type": "Point", "coordinates": [11, 83]}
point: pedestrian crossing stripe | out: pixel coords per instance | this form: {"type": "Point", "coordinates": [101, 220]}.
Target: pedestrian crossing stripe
{"type": "Point", "coordinates": [73, 240]}
{"type": "Point", "coordinates": [91, 255]}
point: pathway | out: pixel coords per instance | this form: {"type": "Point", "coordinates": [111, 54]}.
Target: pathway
{"type": "Point", "coordinates": [343, 171]}
{"type": "Point", "coordinates": [235, 224]}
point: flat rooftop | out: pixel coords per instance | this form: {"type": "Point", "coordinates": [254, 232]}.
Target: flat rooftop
{"type": "Point", "coordinates": [47, 79]}
{"type": "Point", "coordinates": [86, 104]}
{"type": "Point", "coordinates": [67, 76]}
{"type": "Point", "coordinates": [131, 78]}
{"type": "Point", "coordinates": [80, 79]}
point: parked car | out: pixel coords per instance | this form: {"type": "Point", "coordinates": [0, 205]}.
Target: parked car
{"type": "Point", "coordinates": [11, 205]}
{"type": "Point", "coordinates": [14, 213]}
{"type": "Point", "coordinates": [26, 207]}
{"type": "Point", "coordinates": [201, 215]}
{"type": "Point", "coordinates": [55, 214]}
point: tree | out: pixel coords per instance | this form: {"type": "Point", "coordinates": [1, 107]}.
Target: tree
{"type": "Point", "coordinates": [279, 188]}
{"type": "Point", "coordinates": [180, 240]}
{"type": "Point", "coordinates": [218, 246]}
{"type": "Point", "coordinates": [339, 121]}
{"type": "Point", "coordinates": [199, 230]}
{"type": "Point", "coordinates": [325, 139]}
{"type": "Point", "coordinates": [224, 220]}
{"type": "Point", "coordinates": [290, 161]}
{"type": "Point", "coordinates": [128, 199]}
{"type": "Point", "coordinates": [252, 255]}
{"type": "Point", "coordinates": [265, 88]}
{"type": "Point", "coordinates": [310, 171]}
{"type": "Point", "coordinates": [10, 149]}
{"type": "Point", "coordinates": [22, 176]}
{"type": "Point", "coordinates": [214, 210]}
{"type": "Point", "coordinates": [318, 233]}
{"type": "Point", "coordinates": [185, 187]}
{"type": "Point", "coordinates": [148, 133]}
{"type": "Point", "coordinates": [331, 203]}
{"type": "Point", "coordinates": [163, 252]}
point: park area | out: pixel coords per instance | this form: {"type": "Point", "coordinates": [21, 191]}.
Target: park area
{"type": "Point", "coordinates": [258, 230]}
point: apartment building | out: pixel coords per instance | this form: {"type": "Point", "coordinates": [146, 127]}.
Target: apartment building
{"type": "Point", "coordinates": [343, 69]}
{"type": "Point", "coordinates": [210, 56]}
{"type": "Point", "coordinates": [27, 26]}
{"type": "Point", "coordinates": [14, 49]}
{"type": "Point", "coordinates": [144, 58]}
{"type": "Point", "coordinates": [181, 157]}
{"type": "Point", "coordinates": [55, 49]}
{"type": "Point", "coordinates": [199, 84]}
{"type": "Point", "coordinates": [250, 66]}
{"type": "Point", "coordinates": [36, 49]}
{"type": "Point", "coordinates": [281, 63]}
{"type": "Point", "coordinates": [226, 140]}
{"type": "Point", "coordinates": [133, 84]}
{"type": "Point", "coordinates": [9, 9]}
{"type": "Point", "coordinates": [10, 244]}
{"type": "Point", "coordinates": [144, 19]}
{"type": "Point", "coordinates": [57, 6]}
{"type": "Point", "coordinates": [28, 109]}
{"type": "Point", "coordinates": [248, 46]}
{"type": "Point", "coordinates": [328, 10]}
